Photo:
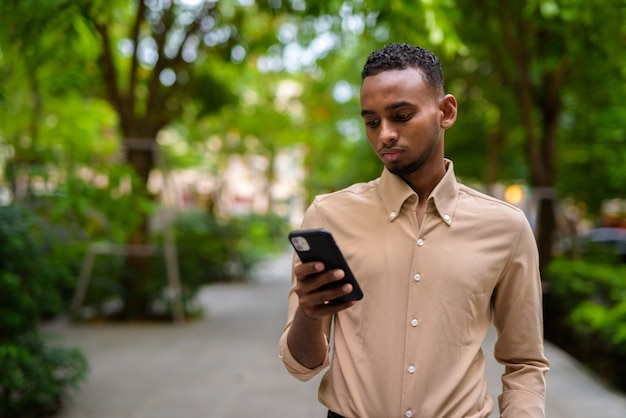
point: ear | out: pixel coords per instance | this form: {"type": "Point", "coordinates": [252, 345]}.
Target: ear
{"type": "Point", "coordinates": [447, 107]}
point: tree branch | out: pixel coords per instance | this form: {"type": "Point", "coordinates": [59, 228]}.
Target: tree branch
{"type": "Point", "coordinates": [132, 83]}
{"type": "Point", "coordinates": [155, 112]}
{"type": "Point", "coordinates": [516, 32]}
{"type": "Point", "coordinates": [110, 77]}
{"type": "Point", "coordinates": [154, 103]}
{"type": "Point", "coordinates": [551, 103]}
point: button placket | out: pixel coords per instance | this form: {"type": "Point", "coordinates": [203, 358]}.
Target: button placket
{"type": "Point", "coordinates": [413, 323]}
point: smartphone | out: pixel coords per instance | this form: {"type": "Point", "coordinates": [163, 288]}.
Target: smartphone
{"type": "Point", "coordinates": [319, 245]}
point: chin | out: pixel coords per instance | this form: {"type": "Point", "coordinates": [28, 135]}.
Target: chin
{"type": "Point", "coordinates": [405, 169]}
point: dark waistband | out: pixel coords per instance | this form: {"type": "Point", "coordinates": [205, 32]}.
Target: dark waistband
{"type": "Point", "coordinates": [331, 414]}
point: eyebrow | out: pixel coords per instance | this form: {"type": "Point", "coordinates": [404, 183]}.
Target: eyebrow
{"type": "Point", "coordinates": [392, 106]}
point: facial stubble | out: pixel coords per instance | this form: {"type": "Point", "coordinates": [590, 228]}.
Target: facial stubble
{"type": "Point", "coordinates": [415, 165]}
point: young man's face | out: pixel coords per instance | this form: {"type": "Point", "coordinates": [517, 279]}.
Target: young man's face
{"type": "Point", "coordinates": [404, 119]}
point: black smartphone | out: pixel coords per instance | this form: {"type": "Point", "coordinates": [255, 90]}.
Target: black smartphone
{"type": "Point", "coordinates": [319, 245]}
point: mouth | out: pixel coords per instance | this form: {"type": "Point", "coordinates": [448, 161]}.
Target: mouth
{"type": "Point", "coordinates": [390, 154]}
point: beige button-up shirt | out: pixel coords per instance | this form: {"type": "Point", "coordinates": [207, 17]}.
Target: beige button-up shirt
{"type": "Point", "coordinates": [412, 346]}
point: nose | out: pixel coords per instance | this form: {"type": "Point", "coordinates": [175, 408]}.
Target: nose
{"type": "Point", "coordinates": [387, 134]}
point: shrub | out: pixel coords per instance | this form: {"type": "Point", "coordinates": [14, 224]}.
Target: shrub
{"type": "Point", "coordinates": [209, 250]}
{"type": "Point", "coordinates": [586, 310]}
{"type": "Point", "coordinates": [212, 250]}
{"type": "Point", "coordinates": [33, 375]}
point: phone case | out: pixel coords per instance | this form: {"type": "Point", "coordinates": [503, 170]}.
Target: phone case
{"type": "Point", "coordinates": [319, 245]}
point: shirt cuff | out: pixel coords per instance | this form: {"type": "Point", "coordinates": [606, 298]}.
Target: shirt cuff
{"type": "Point", "coordinates": [521, 404]}
{"type": "Point", "coordinates": [293, 366]}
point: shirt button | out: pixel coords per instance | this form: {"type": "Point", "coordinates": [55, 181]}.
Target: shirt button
{"type": "Point", "coordinates": [414, 322]}
{"type": "Point", "coordinates": [392, 215]}
{"type": "Point", "coordinates": [420, 242]}
{"type": "Point", "coordinates": [411, 369]}
{"type": "Point", "coordinates": [408, 413]}
{"type": "Point", "coordinates": [446, 218]}
{"type": "Point", "coordinates": [417, 277]}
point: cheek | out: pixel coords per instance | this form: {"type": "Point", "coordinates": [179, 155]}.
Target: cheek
{"type": "Point", "coordinates": [423, 127]}
{"type": "Point", "coordinates": [372, 138]}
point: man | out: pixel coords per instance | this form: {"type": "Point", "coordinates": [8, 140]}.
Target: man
{"type": "Point", "coordinates": [437, 263]}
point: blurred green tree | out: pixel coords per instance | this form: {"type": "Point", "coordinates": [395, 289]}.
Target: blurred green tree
{"type": "Point", "coordinates": [150, 60]}
{"type": "Point", "coordinates": [527, 92]}
{"type": "Point", "coordinates": [529, 58]}
{"type": "Point", "coordinates": [267, 75]}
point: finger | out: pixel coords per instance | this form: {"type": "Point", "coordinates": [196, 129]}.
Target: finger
{"type": "Point", "coordinates": [328, 309]}
{"type": "Point", "coordinates": [304, 270]}
{"type": "Point", "coordinates": [321, 284]}
{"type": "Point", "coordinates": [327, 296]}
{"type": "Point", "coordinates": [311, 296]}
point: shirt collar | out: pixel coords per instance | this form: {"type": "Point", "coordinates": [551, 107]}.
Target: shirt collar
{"type": "Point", "coordinates": [395, 192]}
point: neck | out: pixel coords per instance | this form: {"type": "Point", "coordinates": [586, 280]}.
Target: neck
{"type": "Point", "coordinates": [424, 180]}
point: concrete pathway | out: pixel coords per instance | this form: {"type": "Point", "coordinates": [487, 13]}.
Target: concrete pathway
{"type": "Point", "coordinates": [226, 365]}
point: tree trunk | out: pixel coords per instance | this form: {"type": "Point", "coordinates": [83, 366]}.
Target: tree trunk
{"type": "Point", "coordinates": [549, 103]}
{"type": "Point", "coordinates": [496, 142]}
{"type": "Point", "coordinates": [140, 155]}
{"type": "Point", "coordinates": [545, 227]}
{"type": "Point", "coordinates": [142, 116]}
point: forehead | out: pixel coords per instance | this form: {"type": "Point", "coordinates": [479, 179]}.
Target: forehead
{"type": "Point", "coordinates": [394, 85]}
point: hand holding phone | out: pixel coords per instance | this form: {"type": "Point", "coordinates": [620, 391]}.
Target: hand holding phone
{"type": "Point", "coordinates": [319, 245]}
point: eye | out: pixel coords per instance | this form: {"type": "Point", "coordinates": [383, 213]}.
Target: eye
{"type": "Point", "coordinates": [403, 117]}
{"type": "Point", "coordinates": [372, 123]}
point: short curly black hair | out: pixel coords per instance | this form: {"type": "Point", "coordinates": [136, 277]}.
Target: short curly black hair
{"type": "Point", "coordinates": [399, 56]}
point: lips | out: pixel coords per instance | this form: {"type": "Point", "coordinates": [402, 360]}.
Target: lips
{"type": "Point", "coordinates": [391, 154]}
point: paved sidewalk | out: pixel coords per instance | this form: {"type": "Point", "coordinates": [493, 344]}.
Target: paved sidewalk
{"type": "Point", "coordinates": [226, 365]}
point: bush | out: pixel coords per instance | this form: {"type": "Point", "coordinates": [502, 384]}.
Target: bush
{"type": "Point", "coordinates": [209, 250]}
{"type": "Point", "coordinates": [212, 250]}
{"type": "Point", "coordinates": [33, 375]}
{"type": "Point", "coordinates": [586, 314]}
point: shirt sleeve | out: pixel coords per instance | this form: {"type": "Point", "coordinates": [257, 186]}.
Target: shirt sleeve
{"type": "Point", "coordinates": [293, 366]}
{"type": "Point", "coordinates": [518, 319]}
{"type": "Point", "coordinates": [312, 219]}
